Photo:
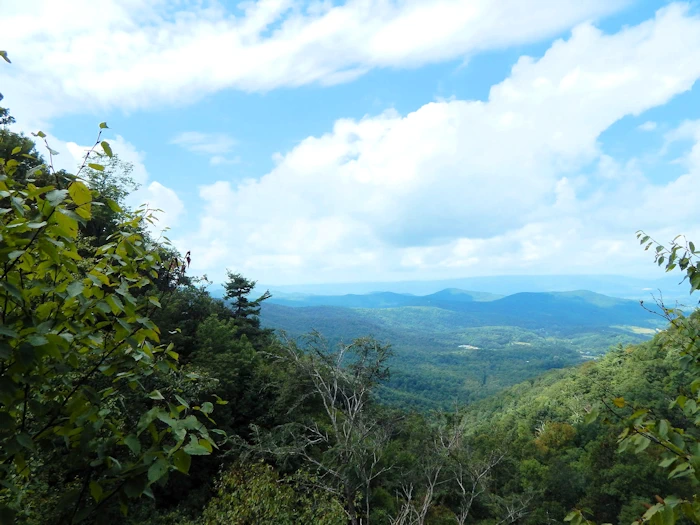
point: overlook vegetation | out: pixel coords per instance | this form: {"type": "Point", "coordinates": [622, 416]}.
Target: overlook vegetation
{"type": "Point", "coordinates": [128, 394]}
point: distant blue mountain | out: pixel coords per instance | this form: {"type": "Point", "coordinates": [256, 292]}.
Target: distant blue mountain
{"type": "Point", "coordinates": [612, 285]}
{"type": "Point", "coordinates": [382, 299]}
{"type": "Point", "coordinates": [557, 311]}
{"type": "Point", "coordinates": [487, 288]}
{"type": "Point", "coordinates": [458, 344]}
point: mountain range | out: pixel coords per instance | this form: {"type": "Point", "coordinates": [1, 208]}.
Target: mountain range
{"type": "Point", "coordinates": [463, 345]}
{"type": "Point", "coordinates": [551, 310]}
{"type": "Point", "coordinates": [612, 285]}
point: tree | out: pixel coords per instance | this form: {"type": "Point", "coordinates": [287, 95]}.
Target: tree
{"type": "Point", "coordinates": [238, 288]}
{"type": "Point", "coordinates": [25, 153]}
{"type": "Point", "coordinates": [256, 494]}
{"type": "Point", "coordinates": [5, 118]}
{"type": "Point", "coordinates": [113, 183]}
{"type": "Point", "coordinates": [345, 446]}
{"type": "Point", "coordinates": [446, 460]}
{"type": "Point", "coordinates": [246, 311]}
{"type": "Point", "coordinates": [678, 438]}
{"type": "Point", "coordinates": [84, 417]}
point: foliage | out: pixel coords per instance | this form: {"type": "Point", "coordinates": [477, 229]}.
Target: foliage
{"type": "Point", "coordinates": [112, 360]}
{"type": "Point", "coordinates": [440, 358]}
{"type": "Point", "coordinates": [112, 183]}
{"type": "Point", "coordinates": [83, 378]}
{"type": "Point", "coordinates": [256, 494]}
{"type": "Point", "coordinates": [246, 311]}
{"type": "Point", "coordinates": [676, 434]}
{"type": "Point", "coordinates": [345, 443]}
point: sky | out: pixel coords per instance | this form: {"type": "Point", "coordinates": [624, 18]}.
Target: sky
{"type": "Point", "coordinates": [379, 140]}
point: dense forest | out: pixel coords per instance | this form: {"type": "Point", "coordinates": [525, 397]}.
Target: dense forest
{"type": "Point", "coordinates": [128, 394]}
{"type": "Point", "coordinates": [445, 353]}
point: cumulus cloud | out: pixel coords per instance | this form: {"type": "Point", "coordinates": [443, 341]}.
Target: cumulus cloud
{"type": "Point", "coordinates": [164, 201]}
{"type": "Point", "coordinates": [70, 155]}
{"type": "Point", "coordinates": [135, 53]}
{"type": "Point", "coordinates": [469, 187]}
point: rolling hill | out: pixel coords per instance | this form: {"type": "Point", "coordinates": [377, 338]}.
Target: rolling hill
{"type": "Point", "coordinates": [456, 345]}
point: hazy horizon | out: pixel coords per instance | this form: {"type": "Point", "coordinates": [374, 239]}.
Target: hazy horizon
{"type": "Point", "coordinates": [612, 285]}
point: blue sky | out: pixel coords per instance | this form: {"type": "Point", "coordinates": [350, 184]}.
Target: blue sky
{"type": "Point", "coordinates": [303, 142]}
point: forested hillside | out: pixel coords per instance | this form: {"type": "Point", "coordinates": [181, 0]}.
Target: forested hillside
{"type": "Point", "coordinates": [129, 395]}
{"type": "Point", "coordinates": [446, 351]}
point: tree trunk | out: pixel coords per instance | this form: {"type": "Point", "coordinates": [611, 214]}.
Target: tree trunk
{"type": "Point", "coordinates": [352, 511]}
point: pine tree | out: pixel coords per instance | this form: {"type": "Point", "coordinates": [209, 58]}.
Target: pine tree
{"type": "Point", "coordinates": [246, 311]}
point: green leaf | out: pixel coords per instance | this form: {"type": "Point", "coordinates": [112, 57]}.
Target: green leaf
{"type": "Point", "coordinates": [107, 148]}
{"type": "Point", "coordinates": [115, 303]}
{"type": "Point", "coordinates": [103, 125]}
{"type": "Point", "coordinates": [96, 491]}
{"type": "Point", "coordinates": [220, 401]}
{"type": "Point", "coordinates": [37, 340]}
{"type": "Point", "coordinates": [679, 468]}
{"type": "Point", "coordinates": [156, 395]}
{"type": "Point", "coordinates": [15, 254]}
{"type": "Point", "coordinates": [668, 462]}
{"type": "Point", "coordinates": [182, 461]}
{"type": "Point", "coordinates": [13, 291]}
{"type": "Point", "coordinates": [154, 300]}
{"type": "Point", "coordinates": [4, 330]}
{"type": "Point", "coordinates": [75, 288]}
{"type": "Point", "coordinates": [98, 167]}
{"type": "Point", "coordinates": [182, 401]}
{"type": "Point", "coordinates": [56, 197]}
{"type": "Point", "coordinates": [3, 54]}
{"type": "Point", "coordinates": [66, 222]}
{"type": "Point", "coordinates": [207, 407]}
{"type": "Point", "coordinates": [114, 206]}
{"type": "Point", "coordinates": [157, 470]}
{"type": "Point", "coordinates": [695, 281]}
{"type": "Point", "coordinates": [196, 449]}
{"type": "Point", "coordinates": [40, 134]}
{"type": "Point", "coordinates": [643, 444]}
{"type": "Point", "coordinates": [82, 197]}
{"type": "Point", "coordinates": [16, 150]}
{"type": "Point", "coordinates": [25, 440]}
{"type": "Point", "coordinates": [133, 443]}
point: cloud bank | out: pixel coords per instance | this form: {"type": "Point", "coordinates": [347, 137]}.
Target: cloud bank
{"type": "Point", "coordinates": [132, 54]}
{"type": "Point", "coordinates": [516, 184]}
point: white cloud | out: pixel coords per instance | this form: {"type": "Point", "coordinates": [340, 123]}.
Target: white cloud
{"type": "Point", "coordinates": [164, 201]}
{"type": "Point", "coordinates": [649, 125]}
{"type": "Point", "coordinates": [215, 144]}
{"type": "Point", "coordinates": [71, 155]}
{"type": "Point", "coordinates": [218, 160]}
{"type": "Point", "coordinates": [468, 187]}
{"type": "Point", "coordinates": [208, 143]}
{"type": "Point", "coordinates": [130, 54]}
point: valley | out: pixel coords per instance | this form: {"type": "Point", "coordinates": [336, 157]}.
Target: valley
{"type": "Point", "coordinates": [456, 346]}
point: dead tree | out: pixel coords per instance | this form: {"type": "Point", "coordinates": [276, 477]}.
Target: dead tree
{"type": "Point", "coordinates": [346, 446]}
